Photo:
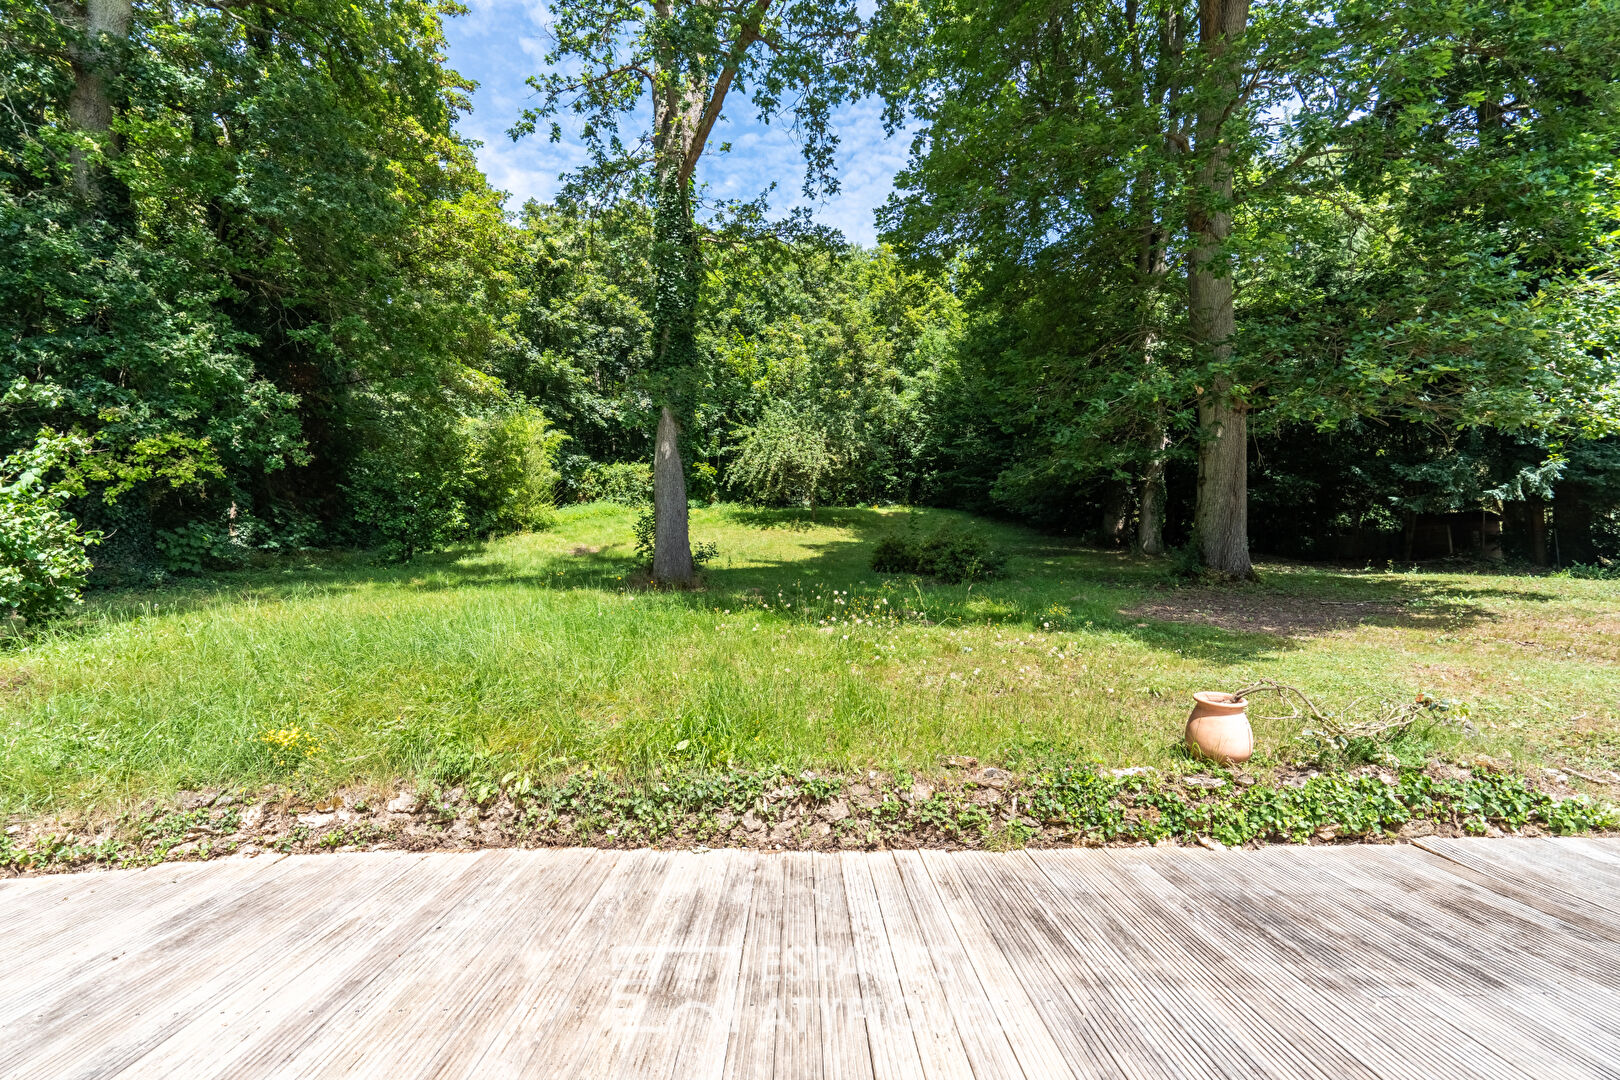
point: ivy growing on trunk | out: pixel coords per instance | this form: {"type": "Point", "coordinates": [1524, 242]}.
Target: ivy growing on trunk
{"type": "Point", "coordinates": [673, 64]}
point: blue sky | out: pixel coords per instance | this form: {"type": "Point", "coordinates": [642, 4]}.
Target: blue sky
{"type": "Point", "coordinates": [501, 42]}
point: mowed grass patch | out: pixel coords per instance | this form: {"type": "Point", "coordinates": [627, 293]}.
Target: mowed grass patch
{"type": "Point", "coordinates": [541, 653]}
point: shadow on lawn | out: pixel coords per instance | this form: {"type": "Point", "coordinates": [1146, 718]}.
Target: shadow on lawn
{"type": "Point", "coordinates": [1218, 621]}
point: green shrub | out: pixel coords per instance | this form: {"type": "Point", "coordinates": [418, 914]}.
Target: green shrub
{"type": "Point", "coordinates": [703, 482]}
{"type": "Point", "coordinates": [193, 547]}
{"type": "Point", "coordinates": [43, 563]}
{"type": "Point", "coordinates": [960, 556]}
{"type": "Point", "coordinates": [1602, 570]}
{"type": "Point", "coordinates": [406, 487]}
{"type": "Point", "coordinates": [511, 471]}
{"type": "Point", "coordinates": [229, 541]}
{"type": "Point", "coordinates": [949, 554]}
{"type": "Point", "coordinates": [790, 457]}
{"type": "Point", "coordinates": [629, 483]}
{"type": "Point", "coordinates": [895, 554]}
{"type": "Point", "coordinates": [646, 524]}
{"type": "Point", "coordinates": [425, 480]}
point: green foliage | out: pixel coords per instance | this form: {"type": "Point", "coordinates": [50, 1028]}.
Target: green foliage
{"type": "Point", "coordinates": [643, 531]}
{"type": "Point", "coordinates": [43, 564]}
{"type": "Point", "coordinates": [579, 326]}
{"type": "Point", "coordinates": [193, 547]}
{"type": "Point", "coordinates": [294, 313]}
{"type": "Point", "coordinates": [628, 483]}
{"type": "Point", "coordinates": [702, 482]}
{"type": "Point", "coordinates": [287, 242]}
{"type": "Point", "coordinates": [1348, 806]}
{"type": "Point", "coordinates": [1065, 802]}
{"type": "Point", "coordinates": [607, 59]}
{"type": "Point", "coordinates": [789, 457]}
{"type": "Point", "coordinates": [1595, 571]}
{"type": "Point", "coordinates": [429, 479]}
{"type": "Point", "coordinates": [407, 487]}
{"type": "Point", "coordinates": [645, 526]}
{"type": "Point", "coordinates": [842, 349]}
{"type": "Point", "coordinates": [511, 475]}
{"type": "Point", "coordinates": [849, 340]}
{"type": "Point", "coordinates": [1422, 219]}
{"type": "Point", "coordinates": [795, 59]}
{"type": "Point", "coordinates": [950, 554]}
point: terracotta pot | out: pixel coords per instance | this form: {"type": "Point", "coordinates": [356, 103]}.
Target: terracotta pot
{"type": "Point", "coordinates": [1218, 728]}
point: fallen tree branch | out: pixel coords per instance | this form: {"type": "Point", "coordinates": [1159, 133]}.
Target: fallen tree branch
{"type": "Point", "coordinates": [1389, 718]}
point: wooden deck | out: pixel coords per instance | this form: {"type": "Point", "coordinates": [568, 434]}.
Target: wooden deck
{"type": "Point", "coordinates": [1465, 958]}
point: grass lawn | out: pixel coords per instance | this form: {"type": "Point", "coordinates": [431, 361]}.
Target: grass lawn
{"type": "Point", "coordinates": [538, 653]}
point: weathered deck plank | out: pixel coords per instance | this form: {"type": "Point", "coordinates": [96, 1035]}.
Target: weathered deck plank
{"type": "Point", "coordinates": [525, 1036]}
{"type": "Point", "coordinates": [1458, 950]}
{"type": "Point", "coordinates": [889, 1025]}
{"type": "Point", "coordinates": [1488, 959]}
{"type": "Point", "coordinates": [847, 1047]}
{"type": "Point", "coordinates": [1385, 1018]}
{"type": "Point", "coordinates": [1007, 998]}
{"type": "Point", "coordinates": [751, 1045]}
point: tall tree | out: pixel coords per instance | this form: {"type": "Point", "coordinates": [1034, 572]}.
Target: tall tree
{"type": "Point", "coordinates": [105, 25]}
{"type": "Point", "coordinates": [675, 62]}
{"type": "Point", "coordinates": [1151, 258]}
{"type": "Point", "coordinates": [1388, 212]}
{"type": "Point", "coordinates": [242, 241]}
{"type": "Point", "coordinates": [1220, 522]}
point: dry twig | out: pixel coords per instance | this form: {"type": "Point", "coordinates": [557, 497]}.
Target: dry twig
{"type": "Point", "coordinates": [1390, 717]}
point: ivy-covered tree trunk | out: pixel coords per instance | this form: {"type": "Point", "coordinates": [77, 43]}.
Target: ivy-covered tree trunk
{"type": "Point", "coordinates": [89, 106]}
{"type": "Point", "coordinates": [684, 55]}
{"type": "Point", "coordinates": [678, 109]}
{"type": "Point", "coordinates": [1221, 519]}
{"type": "Point", "coordinates": [674, 327]}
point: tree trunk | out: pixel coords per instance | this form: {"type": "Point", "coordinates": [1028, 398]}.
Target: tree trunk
{"type": "Point", "coordinates": [1115, 513]}
{"type": "Point", "coordinates": [1152, 269]}
{"type": "Point", "coordinates": [1221, 518]}
{"type": "Point", "coordinates": [672, 550]}
{"type": "Point", "coordinates": [1535, 512]}
{"type": "Point", "coordinates": [685, 110]}
{"type": "Point", "coordinates": [1490, 537]}
{"type": "Point", "coordinates": [89, 106]}
{"type": "Point", "coordinates": [674, 350]}
{"type": "Point", "coordinates": [1150, 502]}
{"type": "Point", "coordinates": [678, 107]}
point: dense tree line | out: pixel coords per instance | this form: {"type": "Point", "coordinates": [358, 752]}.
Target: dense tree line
{"type": "Point", "coordinates": [254, 277]}
{"type": "Point", "coordinates": [1191, 224]}
{"type": "Point", "coordinates": [1296, 276]}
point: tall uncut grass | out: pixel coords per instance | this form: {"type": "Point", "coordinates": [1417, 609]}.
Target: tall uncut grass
{"type": "Point", "coordinates": [541, 653]}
